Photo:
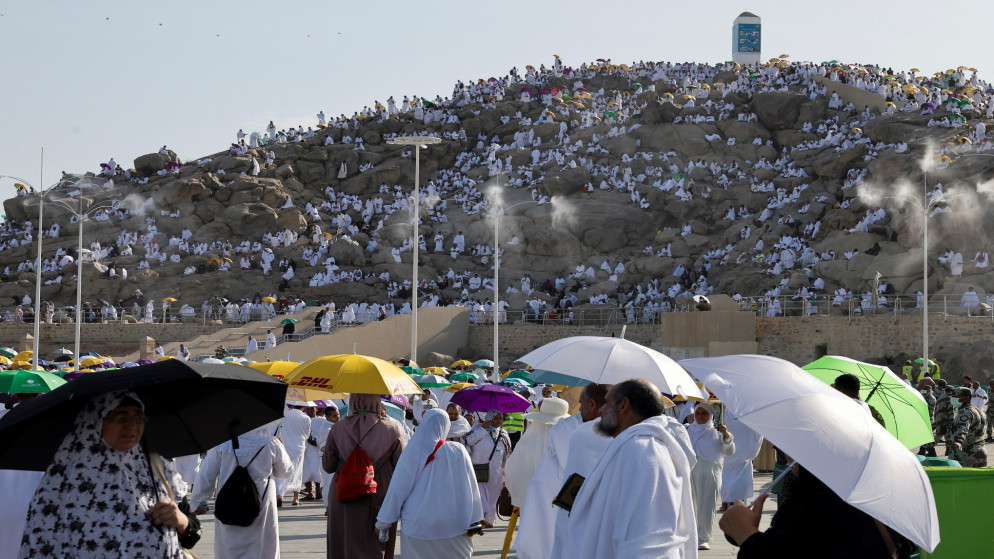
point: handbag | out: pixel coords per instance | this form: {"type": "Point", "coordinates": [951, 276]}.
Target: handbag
{"type": "Point", "coordinates": [564, 499]}
{"type": "Point", "coordinates": [482, 471]}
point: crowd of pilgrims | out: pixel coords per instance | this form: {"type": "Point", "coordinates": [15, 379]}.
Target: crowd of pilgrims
{"type": "Point", "coordinates": [596, 280]}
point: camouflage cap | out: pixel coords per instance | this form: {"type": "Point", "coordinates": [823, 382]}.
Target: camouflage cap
{"type": "Point", "coordinates": [963, 391]}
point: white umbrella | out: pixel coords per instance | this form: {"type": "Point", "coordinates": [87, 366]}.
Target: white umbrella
{"type": "Point", "coordinates": [612, 360]}
{"type": "Point", "coordinates": [829, 434]}
{"type": "Point", "coordinates": [212, 361]}
{"type": "Point", "coordinates": [62, 351]}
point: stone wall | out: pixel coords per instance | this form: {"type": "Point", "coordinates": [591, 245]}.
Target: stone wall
{"type": "Point", "coordinates": [958, 343]}
{"type": "Point", "coordinates": [797, 339]}
{"type": "Point", "coordinates": [107, 339]}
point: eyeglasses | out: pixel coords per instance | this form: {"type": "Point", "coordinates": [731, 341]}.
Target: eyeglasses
{"type": "Point", "coordinates": [124, 419]}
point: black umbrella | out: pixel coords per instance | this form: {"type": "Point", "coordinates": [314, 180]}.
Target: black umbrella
{"type": "Point", "coordinates": [192, 407]}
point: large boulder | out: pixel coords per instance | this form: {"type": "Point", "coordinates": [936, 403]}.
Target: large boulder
{"type": "Point", "coordinates": [778, 110]}
{"type": "Point", "coordinates": [250, 220]}
{"type": "Point", "coordinates": [151, 163]}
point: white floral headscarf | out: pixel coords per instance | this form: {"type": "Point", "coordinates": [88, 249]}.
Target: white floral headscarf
{"type": "Point", "coordinates": [92, 500]}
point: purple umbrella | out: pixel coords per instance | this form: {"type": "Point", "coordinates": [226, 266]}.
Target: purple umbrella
{"type": "Point", "coordinates": [397, 400]}
{"type": "Point", "coordinates": [144, 361]}
{"type": "Point", "coordinates": [490, 397]}
{"type": "Point", "coordinates": [72, 375]}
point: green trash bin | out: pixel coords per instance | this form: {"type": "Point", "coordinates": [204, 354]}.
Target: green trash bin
{"type": "Point", "coordinates": [962, 500]}
{"type": "Point", "coordinates": [938, 461]}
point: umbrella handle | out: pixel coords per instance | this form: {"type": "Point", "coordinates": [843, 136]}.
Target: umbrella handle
{"type": "Point", "coordinates": [768, 486]}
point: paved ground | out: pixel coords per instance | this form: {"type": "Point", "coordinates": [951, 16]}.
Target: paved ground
{"type": "Point", "coordinates": [302, 533]}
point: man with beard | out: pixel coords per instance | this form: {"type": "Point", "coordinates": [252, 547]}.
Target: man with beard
{"type": "Point", "coordinates": [636, 502]}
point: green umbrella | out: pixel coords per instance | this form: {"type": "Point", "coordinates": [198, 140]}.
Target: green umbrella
{"type": "Point", "coordinates": [411, 370]}
{"type": "Point", "coordinates": [432, 381]}
{"type": "Point", "coordinates": [29, 382]}
{"type": "Point", "coordinates": [903, 409]}
{"type": "Point", "coordinates": [8, 352]}
{"type": "Point", "coordinates": [288, 321]}
{"type": "Point", "coordinates": [462, 377]}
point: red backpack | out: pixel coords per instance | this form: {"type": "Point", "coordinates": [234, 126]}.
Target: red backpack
{"type": "Point", "coordinates": [355, 480]}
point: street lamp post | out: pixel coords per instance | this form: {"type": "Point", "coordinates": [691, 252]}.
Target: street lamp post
{"type": "Point", "coordinates": [80, 216]}
{"type": "Point", "coordinates": [497, 213]}
{"type": "Point", "coordinates": [419, 143]}
{"type": "Point", "coordinates": [41, 235]}
{"type": "Point", "coordinates": [925, 206]}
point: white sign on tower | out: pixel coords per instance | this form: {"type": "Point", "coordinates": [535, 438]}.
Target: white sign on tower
{"type": "Point", "coordinates": [747, 39]}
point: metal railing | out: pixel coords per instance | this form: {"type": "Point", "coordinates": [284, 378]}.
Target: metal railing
{"type": "Point", "coordinates": [766, 306]}
{"type": "Point", "coordinates": [95, 315]}
{"type": "Point", "coordinates": [308, 332]}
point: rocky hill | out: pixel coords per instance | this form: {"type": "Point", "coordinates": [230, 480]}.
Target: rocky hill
{"type": "Point", "coordinates": [756, 181]}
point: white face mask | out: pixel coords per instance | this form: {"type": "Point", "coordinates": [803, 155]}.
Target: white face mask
{"type": "Point", "coordinates": [956, 403]}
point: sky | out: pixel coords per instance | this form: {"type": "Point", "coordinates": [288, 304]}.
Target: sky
{"type": "Point", "coordinates": [92, 80]}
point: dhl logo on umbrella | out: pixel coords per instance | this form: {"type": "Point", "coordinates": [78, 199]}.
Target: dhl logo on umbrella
{"type": "Point", "coordinates": [312, 382]}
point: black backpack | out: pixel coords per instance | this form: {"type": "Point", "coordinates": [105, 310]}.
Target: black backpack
{"type": "Point", "coordinates": [238, 501]}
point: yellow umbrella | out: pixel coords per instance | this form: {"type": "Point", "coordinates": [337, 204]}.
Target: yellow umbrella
{"type": "Point", "coordinates": [964, 140]}
{"type": "Point", "coordinates": [706, 86]}
{"type": "Point", "coordinates": [915, 70]}
{"type": "Point", "coordinates": [165, 358]}
{"type": "Point", "coordinates": [784, 56]}
{"type": "Point", "coordinates": [668, 94]}
{"type": "Point", "coordinates": [945, 159]}
{"type": "Point", "coordinates": [679, 398]}
{"type": "Point", "coordinates": [458, 386]}
{"type": "Point", "coordinates": [25, 355]}
{"type": "Point", "coordinates": [961, 68]}
{"type": "Point", "coordinates": [890, 104]}
{"type": "Point", "coordinates": [352, 373]}
{"type": "Point", "coordinates": [973, 70]}
{"type": "Point", "coordinates": [310, 394]}
{"type": "Point", "coordinates": [18, 364]}
{"type": "Point", "coordinates": [557, 56]}
{"type": "Point", "coordinates": [462, 363]}
{"type": "Point", "coordinates": [268, 299]}
{"type": "Point", "coordinates": [91, 361]}
{"type": "Point", "coordinates": [169, 300]}
{"type": "Point", "coordinates": [434, 371]}
{"type": "Point", "coordinates": [276, 369]}
{"type": "Point", "coordinates": [5, 360]}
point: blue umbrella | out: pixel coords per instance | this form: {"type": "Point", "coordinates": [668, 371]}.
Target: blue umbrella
{"type": "Point", "coordinates": [484, 363]}
{"type": "Point", "coordinates": [392, 410]}
{"type": "Point", "coordinates": [548, 377]}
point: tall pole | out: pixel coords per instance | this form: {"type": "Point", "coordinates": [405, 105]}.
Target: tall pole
{"type": "Point", "coordinates": [418, 143]}
{"type": "Point", "coordinates": [925, 205]}
{"type": "Point", "coordinates": [41, 235]}
{"type": "Point", "coordinates": [414, 271]}
{"type": "Point", "coordinates": [37, 332]}
{"type": "Point", "coordinates": [496, 308]}
{"type": "Point", "coordinates": [79, 282]}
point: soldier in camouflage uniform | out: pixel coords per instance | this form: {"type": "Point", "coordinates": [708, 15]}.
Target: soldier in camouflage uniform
{"type": "Point", "coordinates": [928, 449]}
{"type": "Point", "coordinates": [942, 422]}
{"type": "Point", "coordinates": [968, 433]}
{"type": "Point", "coordinates": [990, 415]}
